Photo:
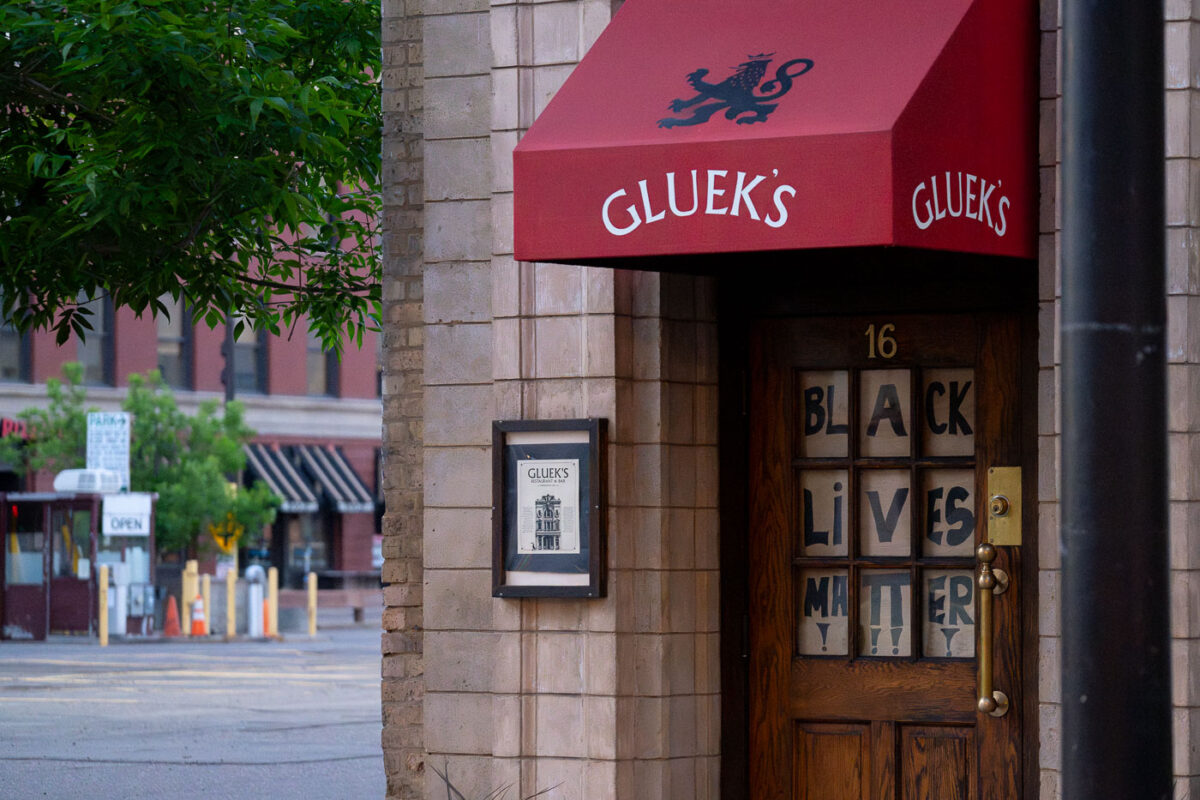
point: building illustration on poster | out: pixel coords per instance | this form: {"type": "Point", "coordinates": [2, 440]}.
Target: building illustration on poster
{"type": "Point", "coordinates": [548, 506]}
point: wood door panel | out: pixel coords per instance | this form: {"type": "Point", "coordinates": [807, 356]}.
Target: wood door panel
{"type": "Point", "coordinates": [938, 763]}
{"type": "Point", "coordinates": [883, 690]}
{"type": "Point", "coordinates": [841, 341]}
{"type": "Point", "coordinates": [770, 551]}
{"type": "Point", "coordinates": [832, 762]}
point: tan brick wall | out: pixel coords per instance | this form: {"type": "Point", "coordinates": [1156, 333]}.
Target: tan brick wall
{"type": "Point", "coordinates": [1182, 76]}
{"type": "Point", "coordinates": [619, 697]}
{"type": "Point", "coordinates": [606, 698]}
{"type": "Point", "coordinates": [402, 672]}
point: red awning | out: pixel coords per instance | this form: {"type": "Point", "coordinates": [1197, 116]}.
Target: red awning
{"type": "Point", "coordinates": [711, 126]}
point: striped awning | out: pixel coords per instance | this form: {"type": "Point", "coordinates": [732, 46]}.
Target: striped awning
{"type": "Point", "coordinates": [341, 485]}
{"type": "Point", "coordinates": [273, 467]}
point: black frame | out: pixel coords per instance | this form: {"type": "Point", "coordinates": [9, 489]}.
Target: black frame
{"type": "Point", "coordinates": [592, 558]}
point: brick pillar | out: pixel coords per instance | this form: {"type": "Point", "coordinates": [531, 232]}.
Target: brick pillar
{"type": "Point", "coordinates": [403, 669]}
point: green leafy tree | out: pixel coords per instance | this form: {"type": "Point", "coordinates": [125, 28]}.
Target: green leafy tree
{"type": "Point", "coordinates": [184, 458]}
{"type": "Point", "coordinates": [225, 153]}
{"type": "Point", "coordinates": [58, 432]}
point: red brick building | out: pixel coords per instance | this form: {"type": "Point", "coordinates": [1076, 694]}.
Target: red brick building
{"type": "Point", "coordinates": [317, 420]}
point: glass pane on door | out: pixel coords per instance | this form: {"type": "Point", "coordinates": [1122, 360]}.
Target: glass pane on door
{"type": "Point", "coordinates": [23, 559]}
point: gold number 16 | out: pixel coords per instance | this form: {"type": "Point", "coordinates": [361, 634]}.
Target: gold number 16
{"type": "Point", "coordinates": [881, 345]}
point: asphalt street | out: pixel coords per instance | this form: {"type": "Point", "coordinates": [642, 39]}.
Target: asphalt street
{"type": "Point", "coordinates": [295, 718]}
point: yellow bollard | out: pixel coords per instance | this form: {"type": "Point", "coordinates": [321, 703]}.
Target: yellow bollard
{"type": "Point", "coordinates": [311, 582]}
{"type": "Point", "coordinates": [231, 603]}
{"type": "Point", "coordinates": [190, 579]}
{"type": "Point", "coordinates": [272, 602]}
{"type": "Point", "coordinates": [206, 596]}
{"type": "Point", "coordinates": [103, 603]}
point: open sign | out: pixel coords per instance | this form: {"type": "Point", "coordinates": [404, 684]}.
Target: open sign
{"type": "Point", "coordinates": [126, 514]}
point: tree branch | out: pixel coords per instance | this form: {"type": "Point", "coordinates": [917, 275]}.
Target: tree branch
{"type": "Point", "coordinates": [50, 94]}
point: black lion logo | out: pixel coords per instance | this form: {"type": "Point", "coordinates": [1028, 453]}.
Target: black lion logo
{"type": "Point", "coordinates": [737, 93]}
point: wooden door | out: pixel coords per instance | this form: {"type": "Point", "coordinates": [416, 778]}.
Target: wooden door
{"type": "Point", "coordinates": [870, 441]}
{"type": "Point", "coordinates": [71, 559]}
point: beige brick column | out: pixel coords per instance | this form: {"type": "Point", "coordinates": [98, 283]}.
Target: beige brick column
{"type": "Point", "coordinates": [1183, 380]}
{"type": "Point", "coordinates": [1049, 423]}
{"type": "Point", "coordinates": [1182, 143]}
{"type": "Point", "coordinates": [616, 697]}
{"type": "Point", "coordinates": [461, 653]}
{"type": "Point", "coordinates": [402, 689]}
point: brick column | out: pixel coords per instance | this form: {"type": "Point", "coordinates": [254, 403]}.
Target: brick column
{"type": "Point", "coordinates": [403, 669]}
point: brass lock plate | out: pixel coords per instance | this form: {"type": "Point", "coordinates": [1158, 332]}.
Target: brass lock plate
{"type": "Point", "coordinates": [1004, 505]}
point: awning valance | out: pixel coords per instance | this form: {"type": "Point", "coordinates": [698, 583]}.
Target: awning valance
{"type": "Point", "coordinates": [342, 486]}
{"type": "Point", "coordinates": [711, 127]}
{"type": "Point", "coordinates": [273, 467]}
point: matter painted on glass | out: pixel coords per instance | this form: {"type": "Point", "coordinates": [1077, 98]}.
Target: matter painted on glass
{"type": "Point", "coordinates": [884, 613]}
{"type": "Point", "coordinates": [948, 613]}
{"type": "Point", "coordinates": [824, 628]}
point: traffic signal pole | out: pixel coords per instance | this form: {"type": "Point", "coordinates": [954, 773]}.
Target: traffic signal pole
{"type": "Point", "coordinates": [1116, 689]}
{"type": "Point", "coordinates": [228, 373]}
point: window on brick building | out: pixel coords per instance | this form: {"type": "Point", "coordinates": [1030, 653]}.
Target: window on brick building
{"type": "Point", "coordinates": [96, 351]}
{"type": "Point", "coordinates": [15, 361]}
{"type": "Point", "coordinates": [250, 362]}
{"type": "Point", "coordinates": [322, 368]}
{"type": "Point", "coordinates": [175, 344]}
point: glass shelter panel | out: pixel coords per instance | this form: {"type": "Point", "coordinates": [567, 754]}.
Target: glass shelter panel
{"type": "Point", "coordinates": [23, 562]}
{"type": "Point", "coordinates": [72, 543]}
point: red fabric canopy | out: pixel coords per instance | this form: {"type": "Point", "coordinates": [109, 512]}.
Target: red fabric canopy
{"type": "Point", "coordinates": [710, 126]}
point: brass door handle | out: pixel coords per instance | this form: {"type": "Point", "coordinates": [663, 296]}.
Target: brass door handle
{"type": "Point", "coordinates": [990, 582]}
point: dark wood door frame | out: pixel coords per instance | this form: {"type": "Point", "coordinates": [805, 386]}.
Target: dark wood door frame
{"type": "Point", "coordinates": [840, 282]}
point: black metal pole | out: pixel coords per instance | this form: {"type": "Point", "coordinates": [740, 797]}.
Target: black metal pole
{"type": "Point", "coordinates": [230, 353]}
{"type": "Point", "coordinates": [1116, 715]}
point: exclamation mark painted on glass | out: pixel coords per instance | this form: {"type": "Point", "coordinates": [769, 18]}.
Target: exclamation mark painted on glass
{"type": "Point", "coordinates": [949, 634]}
{"type": "Point", "coordinates": [875, 639]}
{"type": "Point", "coordinates": [896, 640]}
{"type": "Point", "coordinates": [823, 627]}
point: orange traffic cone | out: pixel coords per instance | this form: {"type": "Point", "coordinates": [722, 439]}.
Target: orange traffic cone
{"type": "Point", "coordinates": [198, 626]}
{"type": "Point", "coordinates": [171, 625]}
